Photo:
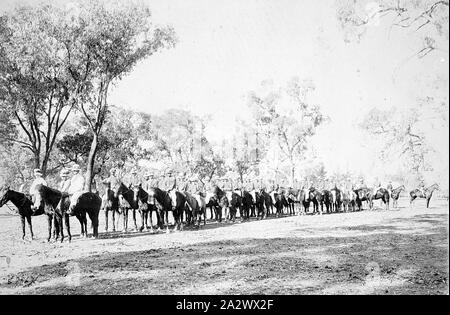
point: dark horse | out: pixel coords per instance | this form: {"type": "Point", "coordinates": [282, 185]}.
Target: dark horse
{"type": "Point", "coordinates": [247, 203]}
{"type": "Point", "coordinates": [23, 205]}
{"type": "Point", "coordinates": [178, 207]}
{"type": "Point", "coordinates": [317, 200]}
{"type": "Point", "coordinates": [88, 203]}
{"type": "Point", "coordinates": [428, 192]}
{"type": "Point", "coordinates": [364, 194]}
{"type": "Point", "coordinates": [304, 199]}
{"type": "Point", "coordinates": [110, 203]}
{"type": "Point", "coordinates": [162, 202]}
{"type": "Point", "coordinates": [395, 194]}
{"type": "Point", "coordinates": [327, 200]}
{"type": "Point", "coordinates": [196, 206]}
{"type": "Point", "coordinates": [141, 199]}
{"type": "Point", "coordinates": [267, 202]}
{"type": "Point", "coordinates": [258, 204]}
{"type": "Point", "coordinates": [46, 200]}
{"type": "Point", "coordinates": [222, 203]}
{"type": "Point", "coordinates": [126, 203]}
{"type": "Point", "coordinates": [382, 194]}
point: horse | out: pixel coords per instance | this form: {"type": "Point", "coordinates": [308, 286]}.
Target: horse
{"type": "Point", "coordinates": [88, 203]}
{"type": "Point", "coordinates": [110, 203]}
{"type": "Point", "coordinates": [382, 194]}
{"type": "Point", "coordinates": [292, 200]}
{"type": "Point", "coordinates": [178, 206]}
{"type": "Point", "coordinates": [235, 203]}
{"type": "Point", "coordinates": [222, 202]}
{"type": "Point", "coordinates": [212, 203]}
{"type": "Point", "coordinates": [364, 194]}
{"type": "Point", "coordinates": [162, 202]}
{"type": "Point", "coordinates": [194, 203]}
{"type": "Point", "coordinates": [327, 200]}
{"type": "Point", "coordinates": [258, 204]}
{"type": "Point", "coordinates": [428, 192]}
{"type": "Point", "coordinates": [317, 200]}
{"type": "Point", "coordinates": [202, 206]}
{"type": "Point", "coordinates": [337, 199]}
{"type": "Point", "coordinates": [23, 205]}
{"type": "Point", "coordinates": [304, 198]}
{"type": "Point", "coordinates": [126, 203]}
{"type": "Point", "coordinates": [247, 204]}
{"type": "Point", "coordinates": [395, 194]}
{"type": "Point", "coordinates": [141, 199]}
{"type": "Point", "coordinates": [348, 200]}
{"type": "Point", "coordinates": [46, 200]}
{"type": "Point", "coordinates": [267, 202]}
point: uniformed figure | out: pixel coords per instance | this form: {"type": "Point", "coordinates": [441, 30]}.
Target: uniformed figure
{"type": "Point", "coordinates": [422, 187]}
{"type": "Point", "coordinates": [113, 180]}
{"type": "Point", "coordinates": [76, 187]}
{"type": "Point", "coordinates": [65, 181]}
{"type": "Point", "coordinates": [149, 181]}
{"type": "Point", "coordinates": [389, 188]}
{"type": "Point", "coordinates": [170, 182]}
{"type": "Point", "coordinates": [134, 178]}
{"type": "Point", "coordinates": [38, 180]}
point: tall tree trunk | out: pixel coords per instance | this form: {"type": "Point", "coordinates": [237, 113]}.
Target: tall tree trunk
{"type": "Point", "coordinates": [90, 163]}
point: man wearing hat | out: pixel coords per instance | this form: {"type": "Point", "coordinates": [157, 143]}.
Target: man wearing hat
{"type": "Point", "coordinates": [170, 182]}
{"type": "Point", "coordinates": [134, 178]}
{"type": "Point", "coordinates": [64, 184]}
{"type": "Point", "coordinates": [38, 180]}
{"type": "Point", "coordinates": [76, 187]}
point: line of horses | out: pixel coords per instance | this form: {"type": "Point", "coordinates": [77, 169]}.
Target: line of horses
{"type": "Point", "coordinates": [187, 208]}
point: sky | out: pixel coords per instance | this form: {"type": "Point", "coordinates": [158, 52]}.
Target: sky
{"type": "Point", "coordinates": [227, 48]}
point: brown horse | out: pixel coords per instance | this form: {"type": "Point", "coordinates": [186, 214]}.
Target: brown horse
{"type": "Point", "coordinates": [427, 193]}
{"type": "Point", "coordinates": [395, 194]}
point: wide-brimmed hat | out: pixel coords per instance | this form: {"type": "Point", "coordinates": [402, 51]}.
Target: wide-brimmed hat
{"type": "Point", "coordinates": [75, 167]}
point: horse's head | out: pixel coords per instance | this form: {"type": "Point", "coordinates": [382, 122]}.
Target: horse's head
{"type": "Point", "coordinates": [4, 195]}
{"type": "Point", "coordinates": [136, 192]}
{"type": "Point", "coordinates": [435, 186]}
{"type": "Point", "coordinates": [173, 198]}
{"type": "Point", "coordinates": [37, 198]}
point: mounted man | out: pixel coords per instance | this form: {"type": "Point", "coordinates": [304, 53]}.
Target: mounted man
{"type": "Point", "coordinates": [76, 187]}
{"type": "Point", "coordinates": [38, 180]}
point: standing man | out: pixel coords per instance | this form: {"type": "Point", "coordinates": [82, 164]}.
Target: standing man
{"type": "Point", "coordinates": [76, 187]}
{"type": "Point", "coordinates": [38, 180]}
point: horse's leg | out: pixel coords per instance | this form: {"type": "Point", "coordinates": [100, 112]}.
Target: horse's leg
{"type": "Point", "coordinates": [428, 202]}
{"type": "Point", "coordinates": [67, 221]}
{"type": "Point", "coordinates": [30, 226]}
{"type": "Point", "coordinates": [134, 219]}
{"type": "Point", "coordinates": [142, 220]}
{"type": "Point", "coordinates": [50, 222]}
{"type": "Point", "coordinates": [106, 219]}
{"type": "Point", "coordinates": [22, 221]}
{"type": "Point", "coordinates": [60, 224]}
{"type": "Point", "coordinates": [167, 220]}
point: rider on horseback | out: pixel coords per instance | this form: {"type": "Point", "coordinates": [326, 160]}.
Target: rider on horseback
{"type": "Point", "coordinates": [38, 180]}
{"type": "Point", "coordinates": [76, 187]}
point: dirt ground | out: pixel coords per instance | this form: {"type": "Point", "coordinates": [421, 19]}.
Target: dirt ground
{"type": "Point", "coordinates": [402, 251]}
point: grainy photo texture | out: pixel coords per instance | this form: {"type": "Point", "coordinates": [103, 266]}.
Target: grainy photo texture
{"type": "Point", "coordinates": [224, 147]}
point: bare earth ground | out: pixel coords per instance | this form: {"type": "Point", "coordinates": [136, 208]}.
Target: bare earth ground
{"type": "Point", "coordinates": [401, 251]}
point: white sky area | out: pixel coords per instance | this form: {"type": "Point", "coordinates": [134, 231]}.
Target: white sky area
{"type": "Point", "coordinates": [227, 47]}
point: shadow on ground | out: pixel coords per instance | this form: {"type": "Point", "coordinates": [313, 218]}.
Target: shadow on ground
{"type": "Point", "coordinates": [392, 261]}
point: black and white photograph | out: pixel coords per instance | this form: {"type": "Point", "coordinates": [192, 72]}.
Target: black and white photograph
{"type": "Point", "coordinates": [224, 152]}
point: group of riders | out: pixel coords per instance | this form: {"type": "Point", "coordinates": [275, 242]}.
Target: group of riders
{"type": "Point", "coordinates": [181, 193]}
{"type": "Point", "coordinates": [72, 183]}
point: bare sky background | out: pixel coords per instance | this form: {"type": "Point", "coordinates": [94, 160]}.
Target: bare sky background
{"type": "Point", "coordinates": [227, 47]}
